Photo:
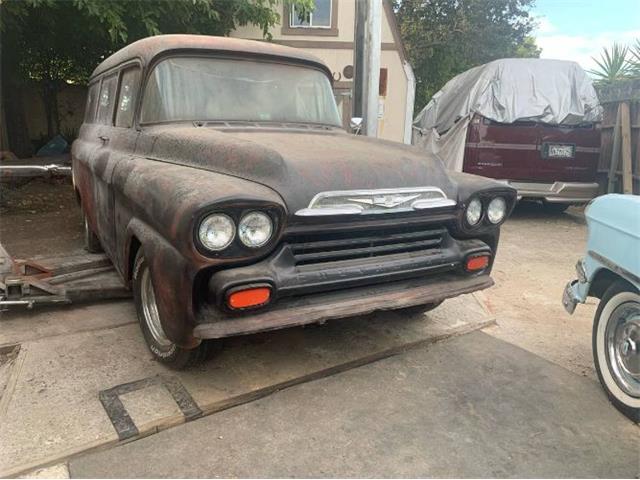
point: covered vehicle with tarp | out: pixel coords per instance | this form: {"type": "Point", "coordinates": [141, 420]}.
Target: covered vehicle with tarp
{"type": "Point", "coordinates": [532, 123]}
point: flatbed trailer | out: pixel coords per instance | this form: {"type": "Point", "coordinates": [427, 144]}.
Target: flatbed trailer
{"type": "Point", "coordinates": [77, 278]}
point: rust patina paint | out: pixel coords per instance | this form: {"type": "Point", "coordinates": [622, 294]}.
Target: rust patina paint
{"type": "Point", "coordinates": [151, 185]}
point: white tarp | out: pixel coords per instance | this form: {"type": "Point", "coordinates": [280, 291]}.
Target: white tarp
{"type": "Point", "coordinates": [507, 90]}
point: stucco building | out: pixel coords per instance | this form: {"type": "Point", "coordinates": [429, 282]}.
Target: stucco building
{"type": "Point", "coordinates": [328, 33]}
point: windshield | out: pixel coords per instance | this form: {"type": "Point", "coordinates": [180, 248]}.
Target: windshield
{"type": "Point", "coordinates": [208, 89]}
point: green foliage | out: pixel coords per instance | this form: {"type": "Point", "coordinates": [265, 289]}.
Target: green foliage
{"type": "Point", "coordinates": [528, 48]}
{"type": "Point", "coordinates": [66, 39]}
{"type": "Point", "coordinates": [612, 65]}
{"type": "Point", "coordinates": [617, 63]}
{"type": "Point", "coordinates": [51, 42]}
{"type": "Point", "coordinates": [634, 59]}
{"type": "Point", "coordinates": [446, 37]}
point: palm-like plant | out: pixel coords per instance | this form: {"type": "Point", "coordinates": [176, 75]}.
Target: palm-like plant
{"type": "Point", "coordinates": [634, 61]}
{"type": "Point", "coordinates": [613, 64]}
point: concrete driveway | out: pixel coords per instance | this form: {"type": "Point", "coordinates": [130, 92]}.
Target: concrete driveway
{"type": "Point", "coordinates": [57, 398]}
{"type": "Point", "coordinates": [473, 406]}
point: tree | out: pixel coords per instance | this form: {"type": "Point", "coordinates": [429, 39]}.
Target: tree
{"type": "Point", "coordinates": [528, 48]}
{"type": "Point", "coordinates": [57, 42]}
{"type": "Point", "coordinates": [446, 37]}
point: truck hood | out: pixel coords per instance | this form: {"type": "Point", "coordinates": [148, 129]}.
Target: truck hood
{"type": "Point", "coordinates": [298, 164]}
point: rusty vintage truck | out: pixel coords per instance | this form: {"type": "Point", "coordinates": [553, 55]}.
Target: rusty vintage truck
{"type": "Point", "coordinates": [215, 174]}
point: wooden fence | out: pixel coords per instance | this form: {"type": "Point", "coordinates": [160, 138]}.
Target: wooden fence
{"type": "Point", "coordinates": [619, 165]}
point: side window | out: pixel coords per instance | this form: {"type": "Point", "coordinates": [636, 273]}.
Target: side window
{"type": "Point", "coordinates": [127, 97]}
{"type": "Point", "coordinates": [106, 100]}
{"type": "Point", "coordinates": [92, 97]}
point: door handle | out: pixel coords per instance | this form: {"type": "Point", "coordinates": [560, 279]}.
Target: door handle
{"type": "Point", "coordinates": [104, 138]}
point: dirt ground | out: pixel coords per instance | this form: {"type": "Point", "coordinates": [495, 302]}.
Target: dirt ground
{"type": "Point", "coordinates": [536, 258]}
{"type": "Point", "coordinates": [40, 218]}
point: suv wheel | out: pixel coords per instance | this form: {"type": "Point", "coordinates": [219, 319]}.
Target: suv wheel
{"type": "Point", "coordinates": [616, 347]}
{"type": "Point", "coordinates": [418, 309]}
{"type": "Point", "coordinates": [163, 349]}
{"type": "Point", "coordinates": [555, 208]}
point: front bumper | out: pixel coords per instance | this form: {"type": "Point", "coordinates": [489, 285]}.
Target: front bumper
{"type": "Point", "coordinates": [576, 291]}
{"type": "Point", "coordinates": [340, 304]}
{"type": "Point", "coordinates": [556, 192]}
{"type": "Point", "coordinates": [569, 297]}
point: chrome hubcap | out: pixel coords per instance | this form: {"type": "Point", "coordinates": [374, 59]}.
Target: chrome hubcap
{"type": "Point", "coordinates": [623, 347]}
{"type": "Point", "coordinates": [150, 310]}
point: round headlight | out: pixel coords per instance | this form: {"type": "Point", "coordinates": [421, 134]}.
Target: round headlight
{"type": "Point", "coordinates": [496, 210]}
{"type": "Point", "coordinates": [474, 212]}
{"type": "Point", "coordinates": [255, 229]}
{"type": "Point", "coordinates": [216, 231]}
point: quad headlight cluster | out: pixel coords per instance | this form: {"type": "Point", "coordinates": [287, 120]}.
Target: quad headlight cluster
{"type": "Point", "coordinates": [495, 211]}
{"type": "Point", "coordinates": [217, 231]}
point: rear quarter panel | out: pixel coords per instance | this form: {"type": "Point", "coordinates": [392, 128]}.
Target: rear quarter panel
{"type": "Point", "coordinates": [82, 153]}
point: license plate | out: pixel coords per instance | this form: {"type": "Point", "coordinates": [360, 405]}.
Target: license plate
{"type": "Point", "coordinates": [560, 151]}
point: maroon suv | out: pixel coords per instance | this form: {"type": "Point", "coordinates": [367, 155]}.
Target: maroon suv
{"type": "Point", "coordinates": [531, 123]}
{"type": "Point", "coordinates": [553, 163]}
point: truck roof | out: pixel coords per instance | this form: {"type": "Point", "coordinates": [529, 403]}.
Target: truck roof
{"type": "Point", "coordinates": [147, 49]}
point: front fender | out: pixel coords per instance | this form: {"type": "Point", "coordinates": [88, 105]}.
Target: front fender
{"type": "Point", "coordinates": [172, 279]}
{"type": "Point", "coordinates": [171, 198]}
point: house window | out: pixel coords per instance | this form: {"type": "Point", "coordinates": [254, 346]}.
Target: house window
{"type": "Point", "coordinates": [320, 17]}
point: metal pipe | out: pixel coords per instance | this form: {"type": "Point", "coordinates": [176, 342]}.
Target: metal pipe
{"type": "Point", "coordinates": [13, 171]}
{"type": "Point", "coordinates": [372, 67]}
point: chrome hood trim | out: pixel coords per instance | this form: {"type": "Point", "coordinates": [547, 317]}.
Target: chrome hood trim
{"type": "Point", "coordinates": [366, 202]}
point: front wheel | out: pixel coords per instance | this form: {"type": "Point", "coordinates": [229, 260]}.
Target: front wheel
{"type": "Point", "coordinates": [162, 348]}
{"type": "Point", "coordinates": [616, 347]}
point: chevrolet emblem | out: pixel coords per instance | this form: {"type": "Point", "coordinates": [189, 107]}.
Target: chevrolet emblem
{"type": "Point", "coordinates": [385, 201]}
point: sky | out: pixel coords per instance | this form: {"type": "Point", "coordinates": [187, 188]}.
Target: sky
{"type": "Point", "coordinates": [578, 29]}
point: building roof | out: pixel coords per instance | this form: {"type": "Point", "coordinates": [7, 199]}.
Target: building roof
{"type": "Point", "coordinates": [149, 48]}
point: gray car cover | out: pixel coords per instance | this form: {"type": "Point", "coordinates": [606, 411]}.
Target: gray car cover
{"type": "Point", "coordinates": [507, 90]}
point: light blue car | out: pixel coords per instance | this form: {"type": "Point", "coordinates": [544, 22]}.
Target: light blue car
{"type": "Point", "coordinates": [610, 271]}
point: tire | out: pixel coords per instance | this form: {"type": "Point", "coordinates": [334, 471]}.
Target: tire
{"type": "Point", "coordinates": [418, 309]}
{"type": "Point", "coordinates": [162, 349]}
{"type": "Point", "coordinates": [555, 208]}
{"type": "Point", "coordinates": [618, 318]}
{"type": "Point", "coordinates": [91, 241]}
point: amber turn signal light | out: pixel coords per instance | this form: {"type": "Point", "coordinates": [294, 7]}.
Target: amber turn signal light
{"type": "Point", "coordinates": [251, 297]}
{"type": "Point", "coordinates": [477, 263]}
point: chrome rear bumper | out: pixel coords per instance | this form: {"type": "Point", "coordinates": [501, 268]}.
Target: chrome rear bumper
{"type": "Point", "coordinates": [556, 192]}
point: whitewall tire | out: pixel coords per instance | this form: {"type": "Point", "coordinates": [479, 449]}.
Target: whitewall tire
{"type": "Point", "coordinates": [616, 347]}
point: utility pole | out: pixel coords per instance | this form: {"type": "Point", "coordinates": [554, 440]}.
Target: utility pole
{"type": "Point", "coordinates": [367, 64]}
